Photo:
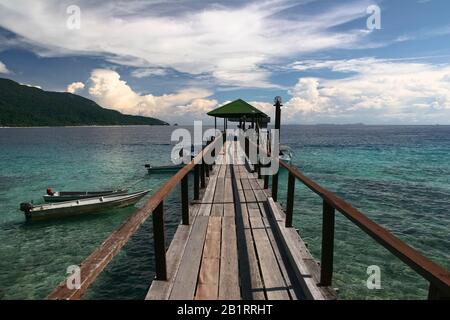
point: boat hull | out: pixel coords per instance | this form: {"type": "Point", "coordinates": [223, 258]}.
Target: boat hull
{"type": "Point", "coordinates": [69, 211]}
{"type": "Point", "coordinates": [71, 196]}
{"type": "Point", "coordinates": [164, 169]}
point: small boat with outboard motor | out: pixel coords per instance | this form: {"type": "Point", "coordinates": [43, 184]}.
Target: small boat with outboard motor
{"type": "Point", "coordinates": [82, 206]}
{"type": "Point", "coordinates": [286, 153]}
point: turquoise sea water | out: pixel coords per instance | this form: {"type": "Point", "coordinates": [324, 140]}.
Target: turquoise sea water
{"type": "Point", "coordinates": [398, 176]}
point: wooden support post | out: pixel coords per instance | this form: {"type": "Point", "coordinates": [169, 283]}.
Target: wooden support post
{"type": "Point", "coordinates": [290, 200]}
{"type": "Point", "coordinates": [277, 127]}
{"type": "Point", "coordinates": [196, 182]}
{"type": "Point", "coordinates": [202, 174]}
{"type": "Point", "coordinates": [258, 164]}
{"type": "Point", "coordinates": [247, 147]}
{"type": "Point", "coordinates": [435, 294]}
{"type": "Point", "coordinates": [266, 182]}
{"type": "Point", "coordinates": [275, 187]}
{"type": "Point", "coordinates": [159, 242]}
{"type": "Point", "coordinates": [185, 200]}
{"type": "Point", "coordinates": [208, 166]}
{"type": "Point", "coordinates": [213, 153]}
{"type": "Point", "coordinates": [326, 265]}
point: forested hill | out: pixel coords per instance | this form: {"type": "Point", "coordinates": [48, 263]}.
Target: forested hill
{"type": "Point", "coordinates": [24, 106]}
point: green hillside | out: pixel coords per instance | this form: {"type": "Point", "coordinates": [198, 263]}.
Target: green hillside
{"type": "Point", "coordinates": [23, 106]}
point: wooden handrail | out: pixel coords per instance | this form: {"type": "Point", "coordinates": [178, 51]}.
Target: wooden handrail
{"type": "Point", "coordinates": [95, 263]}
{"type": "Point", "coordinates": [438, 277]}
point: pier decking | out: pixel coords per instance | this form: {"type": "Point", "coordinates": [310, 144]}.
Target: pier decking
{"type": "Point", "coordinates": [232, 249]}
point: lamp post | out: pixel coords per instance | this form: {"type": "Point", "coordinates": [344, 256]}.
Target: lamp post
{"type": "Point", "coordinates": [277, 105]}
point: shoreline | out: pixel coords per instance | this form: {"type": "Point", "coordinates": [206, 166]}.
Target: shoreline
{"type": "Point", "coordinates": [212, 125]}
{"type": "Point", "coordinates": [88, 126]}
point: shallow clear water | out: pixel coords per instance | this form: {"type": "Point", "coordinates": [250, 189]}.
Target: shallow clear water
{"type": "Point", "coordinates": [398, 176]}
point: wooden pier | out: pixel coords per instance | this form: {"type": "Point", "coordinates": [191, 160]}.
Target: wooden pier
{"type": "Point", "coordinates": [235, 242]}
{"type": "Point", "coordinates": [234, 247]}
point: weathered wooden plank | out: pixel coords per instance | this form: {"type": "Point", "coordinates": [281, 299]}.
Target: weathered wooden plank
{"type": "Point", "coordinates": [249, 195]}
{"type": "Point", "coordinates": [208, 280]}
{"type": "Point", "coordinates": [246, 184]}
{"type": "Point", "coordinates": [205, 209]}
{"type": "Point", "coordinates": [302, 262]}
{"type": "Point", "coordinates": [222, 171]}
{"type": "Point", "coordinates": [274, 283]}
{"type": "Point", "coordinates": [217, 210]}
{"type": "Point", "coordinates": [256, 287]}
{"type": "Point", "coordinates": [278, 254]}
{"type": "Point", "coordinates": [160, 290]}
{"type": "Point", "coordinates": [220, 187]}
{"type": "Point", "coordinates": [229, 271]}
{"type": "Point", "coordinates": [281, 263]}
{"type": "Point", "coordinates": [228, 210]}
{"type": "Point", "coordinates": [228, 195]}
{"type": "Point", "coordinates": [186, 278]}
{"type": "Point", "coordinates": [259, 193]}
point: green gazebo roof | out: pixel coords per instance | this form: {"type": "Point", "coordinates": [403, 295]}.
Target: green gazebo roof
{"type": "Point", "coordinates": [237, 109]}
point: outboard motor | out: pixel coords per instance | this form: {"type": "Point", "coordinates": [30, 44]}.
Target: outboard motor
{"type": "Point", "coordinates": [50, 192]}
{"type": "Point", "coordinates": [26, 207]}
{"type": "Point", "coordinates": [148, 166]}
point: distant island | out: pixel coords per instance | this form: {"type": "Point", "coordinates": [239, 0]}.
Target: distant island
{"type": "Point", "coordinates": [24, 106]}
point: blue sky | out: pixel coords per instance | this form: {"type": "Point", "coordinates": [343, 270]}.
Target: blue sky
{"type": "Point", "coordinates": [176, 60]}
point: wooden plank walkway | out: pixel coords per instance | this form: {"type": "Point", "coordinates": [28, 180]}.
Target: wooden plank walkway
{"type": "Point", "coordinates": [236, 246]}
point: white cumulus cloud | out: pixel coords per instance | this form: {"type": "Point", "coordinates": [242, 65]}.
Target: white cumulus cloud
{"type": "Point", "coordinates": [74, 87]}
{"type": "Point", "coordinates": [372, 90]}
{"type": "Point", "coordinates": [3, 68]}
{"type": "Point", "coordinates": [107, 88]}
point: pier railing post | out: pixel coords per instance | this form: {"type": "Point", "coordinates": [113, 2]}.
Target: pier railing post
{"type": "Point", "coordinates": [208, 166]}
{"type": "Point", "coordinates": [435, 294]}
{"type": "Point", "coordinates": [202, 173]}
{"type": "Point", "coordinates": [290, 200]}
{"type": "Point", "coordinates": [266, 182]}
{"type": "Point", "coordinates": [196, 182]}
{"type": "Point", "coordinates": [213, 154]}
{"type": "Point", "coordinates": [275, 187]}
{"type": "Point", "coordinates": [326, 265]}
{"type": "Point", "coordinates": [185, 200]}
{"type": "Point", "coordinates": [258, 163]}
{"type": "Point", "coordinates": [277, 106]}
{"type": "Point", "coordinates": [159, 242]}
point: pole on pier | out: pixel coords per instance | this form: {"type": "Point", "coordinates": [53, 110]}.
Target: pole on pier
{"type": "Point", "coordinates": [159, 242]}
{"type": "Point", "coordinates": [277, 106]}
{"type": "Point", "coordinates": [290, 201]}
{"type": "Point", "coordinates": [208, 166]}
{"type": "Point", "coordinates": [196, 176]}
{"type": "Point", "coordinates": [326, 264]}
{"type": "Point", "coordinates": [202, 172]}
{"type": "Point", "coordinates": [266, 182]}
{"type": "Point", "coordinates": [258, 164]}
{"type": "Point", "coordinates": [184, 197]}
{"type": "Point", "coordinates": [185, 200]}
{"type": "Point", "coordinates": [196, 182]}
